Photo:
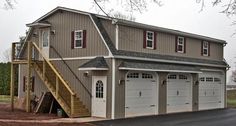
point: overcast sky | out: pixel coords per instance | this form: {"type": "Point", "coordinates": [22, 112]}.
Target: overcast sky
{"type": "Point", "coordinates": [181, 15]}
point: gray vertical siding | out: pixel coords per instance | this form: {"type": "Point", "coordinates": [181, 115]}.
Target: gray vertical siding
{"type": "Point", "coordinates": [120, 91]}
{"type": "Point", "coordinates": [132, 39]}
{"type": "Point", "coordinates": [64, 23]}
{"type": "Point", "coordinates": [86, 80]}
{"type": "Point", "coordinates": [39, 86]}
{"type": "Point", "coordinates": [195, 88]}
{"type": "Point", "coordinates": [162, 93]}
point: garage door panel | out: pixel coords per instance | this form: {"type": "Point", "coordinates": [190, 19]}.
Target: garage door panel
{"type": "Point", "coordinates": [140, 96]}
{"type": "Point", "coordinates": [210, 92]}
{"type": "Point", "coordinates": [179, 93]}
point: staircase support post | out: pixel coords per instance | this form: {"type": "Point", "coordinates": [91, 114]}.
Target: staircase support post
{"type": "Point", "coordinates": [72, 105]}
{"type": "Point", "coordinates": [12, 85]}
{"type": "Point", "coordinates": [57, 87]}
{"type": "Point", "coordinates": [28, 85]}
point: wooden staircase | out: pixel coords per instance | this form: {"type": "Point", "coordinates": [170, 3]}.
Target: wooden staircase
{"type": "Point", "coordinates": [59, 88]}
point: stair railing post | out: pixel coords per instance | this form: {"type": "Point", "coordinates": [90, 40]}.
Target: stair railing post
{"type": "Point", "coordinates": [72, 104]}
{"type": "Point", "coordinates": [28, 85]}
{"type": "Point", "coordinates": [44, 68]}
{"type": "Point", "coordinates": [12, 76]}
{"type": "Point", "coordinates": [57, 87]}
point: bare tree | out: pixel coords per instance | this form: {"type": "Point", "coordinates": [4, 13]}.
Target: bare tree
{"type": "Point", "coordinates": [6, 55]}
{"type": "Point", "coordinates": [129, 6]}
{"type": "Point", "coordinates": [9, 4]}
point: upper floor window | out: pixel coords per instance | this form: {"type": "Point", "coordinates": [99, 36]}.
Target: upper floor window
{"type": "Point", "coordinates": [205, 48]}
{"type": "Point", "coordinates": [180, 44]}
{"type": "Point", "coordinates": [78, 39]}
{"type": "Point", "coordinates": [149, 40]}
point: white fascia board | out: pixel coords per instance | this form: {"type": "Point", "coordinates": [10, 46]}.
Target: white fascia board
{"type": "Point", "coordinates": [168, 61]}
{"type": "Point", "coordinates": [158, 70]}
{"type": "Point", "coordinates": [78, 58]}
{"type": "Point", "coordinates": [60, 8]}
{"type": "Point", "coordinates": [213, 70]}
{"type": "Point", "coordinates": [92, 68]}
{"type": "Point", "coordinates": [110, 54]}
{"type": "Point", "coordinates": [38, 24]}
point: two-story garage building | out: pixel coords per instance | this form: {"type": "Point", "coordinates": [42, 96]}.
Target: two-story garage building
{"type": "Point", "coordinates": [118, 68]}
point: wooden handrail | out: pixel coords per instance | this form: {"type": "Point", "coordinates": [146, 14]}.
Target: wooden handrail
{"type": "Point", "coordinates": [80, 82]}
{"type": "Point", "coordinates": [54, 70]}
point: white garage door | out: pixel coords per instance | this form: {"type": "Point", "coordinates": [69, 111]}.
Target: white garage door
{"type": "Point", "coordinates": [211, 90]}
{"type": "Point", "coordinates": [140, 94]}
{"type": "Point", "coordinates": [179, 93]}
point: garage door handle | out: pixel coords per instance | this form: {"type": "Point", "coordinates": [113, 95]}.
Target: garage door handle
{"type": "Point", "coordinates": [127, 107]}
{"type": "Point", "coordinates": [219, 101]}
{"type": "Point", "coordinates": [152, 105]}
{"type": "Point", "coordinates": [186, 103]}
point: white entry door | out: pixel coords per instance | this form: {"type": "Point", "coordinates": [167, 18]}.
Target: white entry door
{"type": "Point", "coordinates": [211, 90]}
{"type": "Point", "coordinates": [99, 88]}
{"type": "Point", "coordinates": [179, 93]}
{"type": "Point", "coordinates": [44, 41]}
{"type": "Point", "coordinates": [141, 94]}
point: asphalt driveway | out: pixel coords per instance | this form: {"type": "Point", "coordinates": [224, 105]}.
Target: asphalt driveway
{"type": "Point", "coordinates": [223, 117]}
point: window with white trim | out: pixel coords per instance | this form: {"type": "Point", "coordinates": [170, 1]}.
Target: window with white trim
{"type": "Point", "coordinates": [78, 39]}
{"type": "Point", "coordinates": [150, 39]}
{"type": "Point", "coordinates": [205, 48]}
{"type": "Point", "coordinates": [180, 44]}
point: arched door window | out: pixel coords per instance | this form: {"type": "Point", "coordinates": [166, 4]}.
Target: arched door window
{"type": "Point", "coordinates": [99, 89]}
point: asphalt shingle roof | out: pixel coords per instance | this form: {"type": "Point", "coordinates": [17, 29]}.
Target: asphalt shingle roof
{"type": "Point", "coordinates": [98, 62]}
{"type": "Point", "coordinates": [157, 66]}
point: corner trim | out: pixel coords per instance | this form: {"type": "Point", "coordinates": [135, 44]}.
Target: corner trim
{"type": "Point", "coordinates": [113, 88]}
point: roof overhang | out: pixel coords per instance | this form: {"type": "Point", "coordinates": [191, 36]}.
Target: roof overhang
{"type": "Point", "coordinates": [158, 70]}
{"type": "Point", "coordinates": [98, 63]}
{"type": "Point", "coordinates": [92, 68]}
{"type": "Point", "coordinates": [159, 67]}
{"type": "Point", "coordinates": [37, 24]}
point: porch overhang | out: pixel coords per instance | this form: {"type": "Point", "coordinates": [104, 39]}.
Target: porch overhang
{"type": "Point", "coordinates": [158, 67]}
{"type": "Point", "coordinates": [98, 63]}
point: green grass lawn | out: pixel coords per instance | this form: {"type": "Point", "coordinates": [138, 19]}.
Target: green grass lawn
{"type": "Point", "coordinates": [231, 98]}
{"type": "Point", "coordinates": [5, 99]}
